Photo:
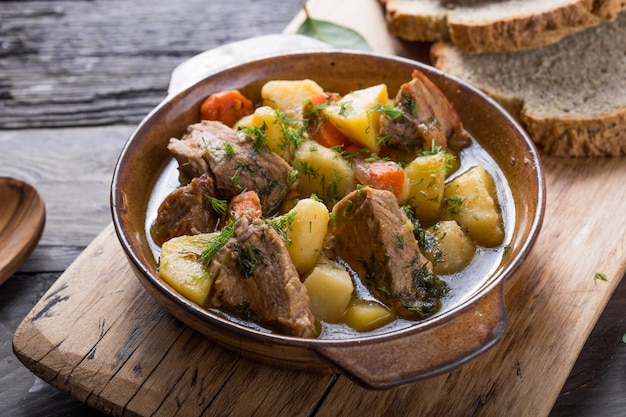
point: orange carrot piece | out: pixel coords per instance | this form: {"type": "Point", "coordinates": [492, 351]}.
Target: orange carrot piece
{"type": "Point", "coordinates": [319, 129]}
{"type": "Point", "coordinates": [328, 135]}
{"type": "Point", "coordinates": [227, 107]}
{"type": "Point", "coordinates": [383, 175]}
{"type": "Point", "coordinates": [248, 201]}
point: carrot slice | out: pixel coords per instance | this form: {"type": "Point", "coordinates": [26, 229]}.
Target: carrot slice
{"type": "Point", "coordinates": [227, 107]}
{"type": "Point", "coordinates": [320, 129]}
{"type": "Point", "coordinates": [249, 202]}
{"type": "Point", "coordinates": [383, 175]}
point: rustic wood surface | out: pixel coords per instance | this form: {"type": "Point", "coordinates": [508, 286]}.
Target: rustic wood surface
{"type": "Point", "coordinates": [64, 45]}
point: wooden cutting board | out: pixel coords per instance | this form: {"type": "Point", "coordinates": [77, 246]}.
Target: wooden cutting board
{"type": "Point", "coordinates": [99, 336]}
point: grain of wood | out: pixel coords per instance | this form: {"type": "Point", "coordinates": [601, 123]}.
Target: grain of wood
{"type": "Point", "coordinates": [130, 356]}
{"type": "Point", "coordinates": [72, 170]}
{"type": "Point", "coordinates": [93, 63]}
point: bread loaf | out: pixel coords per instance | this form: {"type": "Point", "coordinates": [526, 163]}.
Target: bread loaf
{"type": "Point", "coordinates": [570, 96]}
{"type": "Point", "coordinates": [477, 26]}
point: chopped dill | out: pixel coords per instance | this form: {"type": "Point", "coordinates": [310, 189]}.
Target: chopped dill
{"type": "Point", "coordinates": [257, 133]}
{"type": "Point", "coordinates": [388, 111]}
{"type": "Point", "coordinates": [434, 150]}
{"type": "Point", "coordinates": [453, 204]}
{"type": "Point", "coordinates": [409, 104]}
{"type": "Point", "coordinates": [200, 277]}
{"type": "Point", "coordinates": [345, 108]}
{"type": "Point", "coordinates": [215, 204]}
{"type": "Point", "coordinates": [400, 241]}
{"type": "Point", "coordinates": [247, 259]}
{"type": "Point", "coordinates": [600, 276]}
{"type": "Point", "coordinates": [282, 224]}
{"type": "Point", "coordinates": [215, 243]}
{"type": "Point", "coordinates": [161, 265]}
{"type": "Point", "coordinates": [229, 150]}
{"type": "Point", "coordinates": [292, 177]}
{"type": "Point", "coordinates": [292, 130]}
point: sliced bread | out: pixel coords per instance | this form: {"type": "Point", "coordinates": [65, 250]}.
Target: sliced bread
{"type": "Point", "coordinates": [477, 26]}
{"type": "Point", "coordinates": [570, 96]}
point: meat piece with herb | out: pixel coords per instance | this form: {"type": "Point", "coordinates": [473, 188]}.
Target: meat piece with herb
{"type": "Point", "coordinates": [256, 279]}
{"type": "Point", "coordinates": [188, 210]}
{"type": "Point", "coordinates": [422, 117]}
{"type": "Point", "coordinates": [236, 161]}
{"type": "Point", "coordinates": [375, 237]}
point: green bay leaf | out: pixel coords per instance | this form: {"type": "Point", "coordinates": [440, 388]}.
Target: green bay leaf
{"type": "Point", "coordinates": [333, 34]}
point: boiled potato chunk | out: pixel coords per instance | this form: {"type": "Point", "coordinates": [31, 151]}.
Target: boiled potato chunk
{"type": "Point", "coordinates": [266, 117]}
{"type": "Point", "coordinates": [330, 288]}
{"type": "Point", "coordinates": [365, 315]}
{"type": "Point", "coordinates": [289, 95]}
{"type": "Point", "coordinates": [179, 266]}
{"type": "Point", "coordinates": [245, 121]}
{"type": "Point", "coordinates": [355, 117]}
{"type": "Point", "coordinates": [449, 249]}
{"type": "Point", "coordinates": [426, 177]}
{"type": "Point", "coordinates": [470, 199]}
{"type": "Point", "coordinates": [323, 172]}
{"type": "Point", "coordinates": [306, 233]}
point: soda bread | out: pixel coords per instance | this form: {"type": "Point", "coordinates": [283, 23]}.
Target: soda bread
{"type": "Point", "coordinates": [570, 96]}
{"type": "Point", "coordinates": [495, 25]}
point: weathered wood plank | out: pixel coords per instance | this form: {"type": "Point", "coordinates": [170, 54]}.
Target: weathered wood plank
{"type": "Point", "coordinates": [126, 354]}
{"type": "Point", "coordinates": [17, 297]}
{"type": "Point", "coordinates": [72, 170]}
{"type": "Point", "coordinates": [95, 63]}
{"type": "Point", "coordinates": [597, 379]}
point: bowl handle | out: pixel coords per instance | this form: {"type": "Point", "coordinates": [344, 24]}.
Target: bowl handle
{"type": "Point", "coordinates": [385, 363]}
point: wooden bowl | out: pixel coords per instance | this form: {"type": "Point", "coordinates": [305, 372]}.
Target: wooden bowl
{"type": "Point", "coordinates": [22, 220]}
{"type": "Point", "coordinates": [461, 331]}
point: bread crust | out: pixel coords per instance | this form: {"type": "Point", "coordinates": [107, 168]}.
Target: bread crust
{"type": "Point", "coordinates": [492, 25]}
{"type": "Point", "coordinates": [535, 97]}
{"type": "Point", "coordinates": [600, 136]}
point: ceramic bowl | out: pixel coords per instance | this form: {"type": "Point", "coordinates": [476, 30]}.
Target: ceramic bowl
{"type": "Point", "coordinates": [466, 327]}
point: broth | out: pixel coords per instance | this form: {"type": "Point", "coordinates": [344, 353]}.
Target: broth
{"type": "Point", "coordinates": [463, 285]}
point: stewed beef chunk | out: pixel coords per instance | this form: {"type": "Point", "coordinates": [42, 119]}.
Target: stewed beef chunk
{"type": "Point", "coordinates": [235, 160]}
{"type": "Point", "coordinates": [427, 116]}
{"type": "Point", "coordinates": [256, 279]}
{"type": "Point", "coordinates": [185, 211]}
{"type": "Point", "coordinates": [375, 237]}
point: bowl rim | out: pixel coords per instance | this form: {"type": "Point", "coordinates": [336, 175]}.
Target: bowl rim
{"type": "Point", "coordinates": [217, 321]}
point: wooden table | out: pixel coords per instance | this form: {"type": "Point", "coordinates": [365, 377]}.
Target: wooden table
{"type": "Point", "coordinates": [76, 76]}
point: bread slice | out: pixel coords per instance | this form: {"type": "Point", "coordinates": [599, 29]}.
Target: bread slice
{"type": "Point", "coordinates": [570, 96]}
{"type": "Point", "coordinates": [477, 26]}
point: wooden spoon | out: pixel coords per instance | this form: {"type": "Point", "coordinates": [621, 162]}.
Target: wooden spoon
{"type": "Point", "coordinates": [22, 219]}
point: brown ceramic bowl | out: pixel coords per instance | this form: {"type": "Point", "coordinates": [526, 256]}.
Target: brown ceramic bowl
{"type": "Point", "coordinates": [468, 324]}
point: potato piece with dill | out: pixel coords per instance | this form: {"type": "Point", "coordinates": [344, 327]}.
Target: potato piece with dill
{"type": "Point", "coordinates": [366, 315]}
{"type": "Point", "coordinates": [426, 177]}
{"type": "Point", "coordinates": [357, 115]}
{"type": "Point", "coordinates": [180, 265]}
{"type": "Point", "coordinates": [282, 134]}
{"type": "Point", "coordinates": [289, 95]}
{"type": "Point", "coordinates": [323, 172]}
{"type": "Point", "coordinates": [306, 233]}
{"type": "Point", "coordinates": [448, 248]}
{"type": "Point", "coordinates": [471, 200]}
{"type": "Point", "coordinates": [330, 289]}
